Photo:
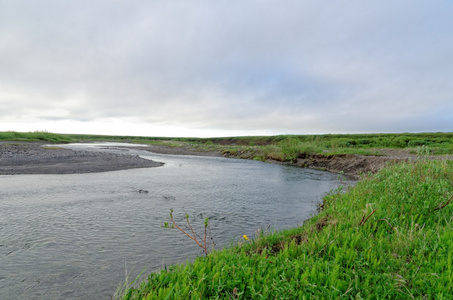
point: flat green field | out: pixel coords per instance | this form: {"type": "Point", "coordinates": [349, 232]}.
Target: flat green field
{"type": "Point", "coordinates": [281, 147]}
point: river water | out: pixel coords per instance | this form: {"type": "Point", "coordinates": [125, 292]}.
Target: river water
{"type": "Point", "coordinates": [80, 236]}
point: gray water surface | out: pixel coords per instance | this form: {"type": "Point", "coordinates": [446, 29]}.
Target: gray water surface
{"type": "Point", "coordinates": [77, 236]}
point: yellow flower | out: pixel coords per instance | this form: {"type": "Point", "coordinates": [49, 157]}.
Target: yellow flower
{"type": "Point", "coordinates": [245, 237]}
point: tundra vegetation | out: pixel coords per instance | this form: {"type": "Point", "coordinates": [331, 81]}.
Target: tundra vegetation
{"type": "Point", "coordinates": [285, 148]}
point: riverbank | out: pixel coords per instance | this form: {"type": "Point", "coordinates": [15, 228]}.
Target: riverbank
{"type": "Point", "coordinates": [349, 154]}
{"type": "Point", "coordinates": [388, 237]}
{"type": "Point", "coordinates": [37, 158]}
{"type": "Point", "coordinates": [353, 165]}
{"type": "Point", "coordinates": [42, 158]}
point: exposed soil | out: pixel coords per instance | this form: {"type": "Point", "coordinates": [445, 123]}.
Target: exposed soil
{"type": "Point", "coordinates": [35, 158]}
{"type": "Point", "coordinates": [356, 165]}
{"type": "Point", "coordinates": [352, 165]}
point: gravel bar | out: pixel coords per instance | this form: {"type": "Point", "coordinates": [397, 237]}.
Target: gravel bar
{"type": "Point", "coordinates": [41, 158]}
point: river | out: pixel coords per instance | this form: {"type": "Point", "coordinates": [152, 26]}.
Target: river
{"type": "Point", "coordinates": [80, 236]}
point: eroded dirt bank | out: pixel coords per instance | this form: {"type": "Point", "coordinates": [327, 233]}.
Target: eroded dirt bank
{"type": "Point", "coordinates": [349, 164]}
{"type": "Point", "coordinates": [352, 164]}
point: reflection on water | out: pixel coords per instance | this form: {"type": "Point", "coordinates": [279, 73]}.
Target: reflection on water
{"type": "Point", "coordinates": [74, 236]}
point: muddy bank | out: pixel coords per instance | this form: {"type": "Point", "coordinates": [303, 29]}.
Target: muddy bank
{"type": "Point", "coordinates": [349, 164]}
{"type": "Point", "coordinates": [36, 158]}
{"type": "Point", "coordinates": [356, 165]}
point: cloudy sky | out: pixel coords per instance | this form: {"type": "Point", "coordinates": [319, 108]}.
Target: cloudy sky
{"type": "Point", "coordinates": [224, 68]}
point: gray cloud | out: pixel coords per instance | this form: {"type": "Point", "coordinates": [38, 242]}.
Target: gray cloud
{"type": "Point", "coordinates": [293, 67]}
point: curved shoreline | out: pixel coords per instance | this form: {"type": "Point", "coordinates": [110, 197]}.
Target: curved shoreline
{"type": "Point", "coordinates": [349, 164]}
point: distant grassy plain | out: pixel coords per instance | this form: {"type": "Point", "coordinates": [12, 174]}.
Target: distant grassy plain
{"type": "Point", "coordinates": [388, 237]}
{"type": "Point", "coordinates": [281, 147]}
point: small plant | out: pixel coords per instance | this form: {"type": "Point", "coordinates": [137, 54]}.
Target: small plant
{"type": "Point", "coordinates": [423, 152]}
{"type": "Point", "coordinates": [202, 242]}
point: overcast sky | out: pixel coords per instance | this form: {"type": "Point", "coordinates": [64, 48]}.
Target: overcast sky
{"type": "Point", "coordinates": [223, 68]}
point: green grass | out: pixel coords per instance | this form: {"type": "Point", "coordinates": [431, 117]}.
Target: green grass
{"type": "Point", "coordinates": [389, 237]}
{"type": "Point", "coordinates": [280, 147]}
{"type": "Point", "coordinates": [290, 148]}
{"type": "Point", "coordinates": [37, 136]}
